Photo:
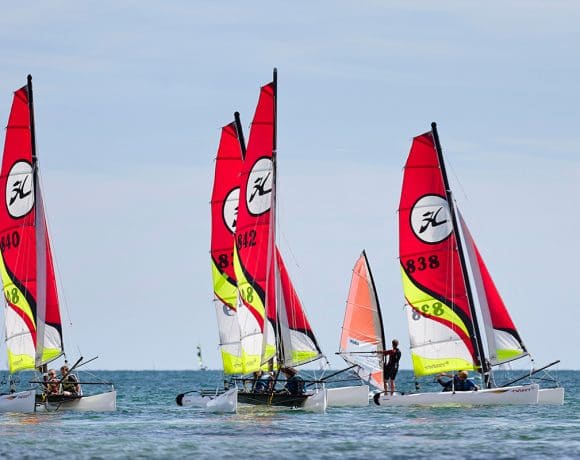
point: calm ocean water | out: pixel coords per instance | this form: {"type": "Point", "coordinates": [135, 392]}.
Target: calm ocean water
{"type": "Point", "coordinates": [148, 424]}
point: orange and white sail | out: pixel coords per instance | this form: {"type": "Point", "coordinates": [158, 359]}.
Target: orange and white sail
{"type": "Point", "coordinates": [363, 340]}
{"type": "Point", "coordinates": [33, 323]}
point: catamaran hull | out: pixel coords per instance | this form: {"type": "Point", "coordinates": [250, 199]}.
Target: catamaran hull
{"type": "Point", "coordinates": [23, 401]}
{"type": "Point", "coordinates": [523, 394]}
{"type": "Point", "coordinates": [314, 402]}
{"type": "Point", "coordinates": [355, 396]}
{"type": "Point", "coordinates": [195, 400]}
{"type": "Point", "coordinates": [551, 396]}
{"type": "Point", "coordinates": [103, 402]}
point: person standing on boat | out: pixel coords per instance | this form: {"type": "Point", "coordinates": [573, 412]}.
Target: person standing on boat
{"type": "Point", "coordinates": [70, 384]}
{"type": "Point", "coordinates": [391, 360]}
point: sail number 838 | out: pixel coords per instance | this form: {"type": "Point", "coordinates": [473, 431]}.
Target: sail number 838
{"type": "Point", "coordinates": [433, 309]}
{"type": "Point", "coordinates": [422, 263]}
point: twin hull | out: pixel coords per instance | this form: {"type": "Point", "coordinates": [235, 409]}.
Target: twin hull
{"type": "Point", "coordinates": [523, 394]}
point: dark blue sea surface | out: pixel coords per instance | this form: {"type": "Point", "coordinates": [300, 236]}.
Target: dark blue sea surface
{"type": "Point", "coordinates": [149, 424]}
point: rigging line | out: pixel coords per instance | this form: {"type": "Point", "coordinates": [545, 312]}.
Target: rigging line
{"type": "Point", "coordinates": [56, 265]}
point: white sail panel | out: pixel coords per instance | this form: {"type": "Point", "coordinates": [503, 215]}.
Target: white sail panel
{"type": "Point", "coordinates": [503, 341]}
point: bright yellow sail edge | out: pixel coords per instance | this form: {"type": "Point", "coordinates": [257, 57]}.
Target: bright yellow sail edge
{"type": "Point", "coordinates": [423, 302]}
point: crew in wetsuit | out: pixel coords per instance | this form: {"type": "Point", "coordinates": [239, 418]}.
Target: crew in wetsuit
{"type": "Point", "coordinates": [391, 360]}
{"type": "Point", "coordinates": [458, 382]}
{"type": "Point", "coordinates": [294, 383]}
{"type": "Point", "coordinates": [70, 384]}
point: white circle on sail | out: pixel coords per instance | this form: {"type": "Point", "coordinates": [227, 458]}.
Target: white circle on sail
{"type": "Point", "coordinates": [430, 219]}
{"type": "Point", "coordinates": [230, 209]}
{"type": "Point", "coordinates": [259, 187]}
{"type": "Point", "coordinates": [20, 189]}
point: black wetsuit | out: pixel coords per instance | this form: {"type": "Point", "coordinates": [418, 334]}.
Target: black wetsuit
{"type": "Point", "coordinates": [391, 367]}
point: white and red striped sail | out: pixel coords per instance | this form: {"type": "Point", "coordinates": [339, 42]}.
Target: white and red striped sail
{"type": "Point", "coordinates": [33, 324]}
{"type": "Point", "coordinates": [440, 321]}
{"type": "Point", "coordinates": [503, 341]}
{"type": "Point", "coordinates": [363, 340]}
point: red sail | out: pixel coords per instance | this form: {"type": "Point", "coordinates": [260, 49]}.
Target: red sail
{"type": "Point", "coordinates": [224, 212]}
{"type": "Point", "coordinates": [433, 281]}
{"type": "Point", "coordinates": [298, 342]}
{"type": "Point", "coordinates": [254, 239]}
{"type": "Point", "coordinates": [18, 243]}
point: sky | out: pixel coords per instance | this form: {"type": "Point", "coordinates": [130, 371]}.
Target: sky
{"type": "Point", "coordinates": [130, 97]}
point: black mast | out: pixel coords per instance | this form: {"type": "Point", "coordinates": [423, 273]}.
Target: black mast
{"type": "Point", "coordinates": [240, 133]}
{"type": "Point", "coordinates": [279, 344]}
{"type": "Point", "coordinates": [377, 299]}
{"type": "Point", "coordinates": [479, 344]}
{"type": "Point", "coordinates": [32, 130]}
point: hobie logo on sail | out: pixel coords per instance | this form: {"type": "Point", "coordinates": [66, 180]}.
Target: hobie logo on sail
{"type": "Point", "coordinates": [259, 187]}
{"type": "Point", "coordinates": [430, 219]}
{"type": "Point", "coordinates": [230, 209]}
{"type": "Point", "coordinates": [20, 189]}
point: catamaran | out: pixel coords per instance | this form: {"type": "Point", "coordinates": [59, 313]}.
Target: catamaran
{"type": "Point", "coordinates": [32, 313]}
{"type": "Point", "coordinates": [439, 265]}
{"type": "Point", "coordinates": [262, 324]}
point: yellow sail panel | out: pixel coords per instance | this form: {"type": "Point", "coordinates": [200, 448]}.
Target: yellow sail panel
{"type": "Point", "coordinates": [232, 363]}
{"type": "Point", "coordinates": [223, 288]}
{"type": "Point", "coordinates": [246, 289]}
{"type": "Point", "coordinates": [424, 303]}
{"type": "Point", "coordinates": [438, 335]}
{"type": "Point", "coordinates": [426, 366]}
{"type": "Point", "coordinates": [20, 324]}
{"type": "Point", "coordinates": [19, 362]}
{"type": "Point", "coordinates": [508, 355]}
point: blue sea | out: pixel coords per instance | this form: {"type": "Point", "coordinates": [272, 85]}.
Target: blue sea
{"type": "Point", "coordinates": [149, 424]}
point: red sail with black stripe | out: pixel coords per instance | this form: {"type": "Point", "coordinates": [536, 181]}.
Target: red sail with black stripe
{"type": "Point", "coordinates": [440, 320]}
{"type": "Point", "coordinates": [33, 323]}
{"type": "Point", "coordinates": [255, 230]}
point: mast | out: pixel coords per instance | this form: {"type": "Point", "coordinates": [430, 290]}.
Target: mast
{"type": "Point", "coordinates": [240, 133]}
{"type": "Point", "coordinates": [377, 299]}
{"type": "Point", "coordinates": [279, 341]}
{"type": "Point", "coordinates": [40, 235]}
{"type": "Point", "coordinates": [479, 344]}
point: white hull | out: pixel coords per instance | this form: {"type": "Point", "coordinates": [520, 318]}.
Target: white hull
{"type": "Point", "coordinates": [355, 396]}
{"type": "Point", "coordinates": [103, 402]}
{"type": "Point", "coordinates": [226, 403]}
{"type": "Point", "coordinates": [551, 396]}
{"type": "Point", "coordinates": [23, 401]}
{"type": "Point", "coordinates": [523, 394]}
{"type": "Point", "coordinates": [196, 400]}
{"type": "Point", "coordinates": [317, 402]}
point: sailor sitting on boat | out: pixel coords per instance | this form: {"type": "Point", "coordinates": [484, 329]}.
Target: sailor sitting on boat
{"type": "Point", "coordinates": [294, 383]}
{"type": "Point", "coordinates": [262, 382]}
{"type": "Point", "coordinates": [459, 382]}
{"type": "Point", "coordinates": [70, 384]}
